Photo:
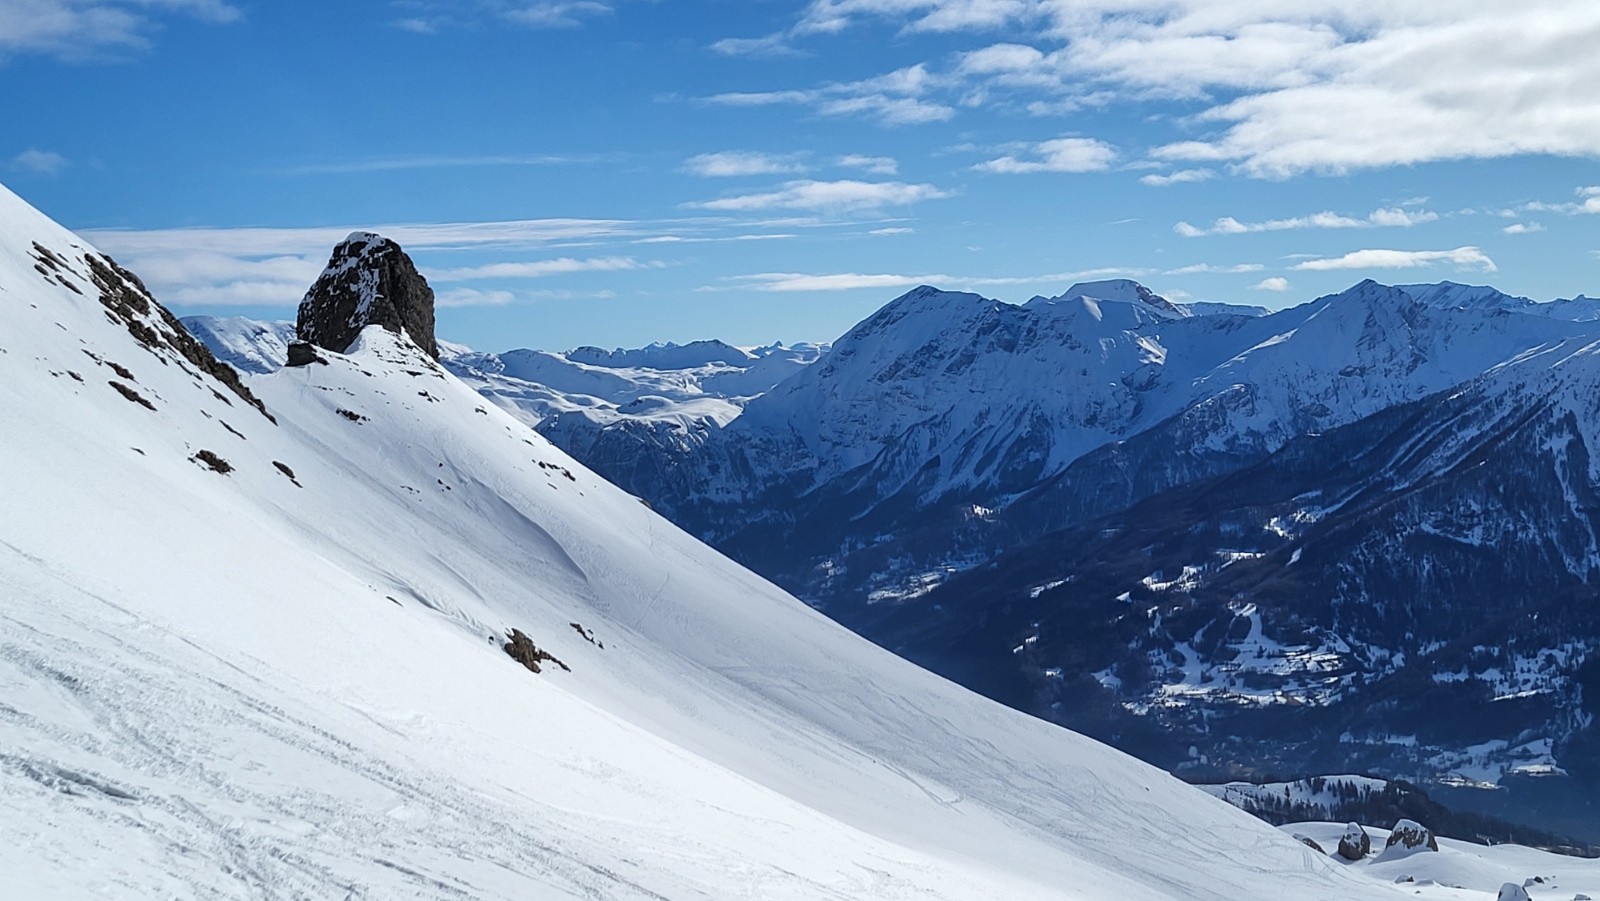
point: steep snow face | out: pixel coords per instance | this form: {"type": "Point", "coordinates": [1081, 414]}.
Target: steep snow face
{"type": "Point", "coordinates": [240, 656]}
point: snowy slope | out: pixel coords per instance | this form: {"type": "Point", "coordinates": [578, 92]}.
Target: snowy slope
{"type": "Point", "coordinates": [286, 680]}
{"type": "Point", "coordinates": [1461, 870]}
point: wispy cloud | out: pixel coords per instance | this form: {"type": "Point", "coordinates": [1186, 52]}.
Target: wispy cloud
{"type": "Point", "coordinates": [1460, 257]}
{"type": "Point", "coordinates": [895, 98]}
{"type": "Point", "coordinates": [39, 162]}
{"type": "Point", "coordinates": [540, 268]}
{"type": "Point", "coordinates": [782, 282]}
{"type": "Point", "coordinates": [472, 297]}
{"type": "Point", "coordinates": [786, 282]}
{"type": "Point", "coordinates": [1182, 176]}
{"type": "Point", "coordinates": [1388, 217]}
{"type": "Point", "coordinates": [1523, 228]}
{"type": "Point", "coordinates": [428, 17]}
{"type": "Point", "coordinates": [1058, 155]}
{"type": "Point", "coordinates": [772, 45]}
{"type": "Point", "coordinates": [734, 163]}
{"type": "Point", "coordinates": [1211, 268]}
{"type": "Point", "coordinates": [872, 165]}
{"type": "Point", "coordinates": [80, 30]}
{"type": "Point", "coordinates": [1273, 283]}
{"type": "Point", "coordinates": [555, 13]}
{"type": "Point", "coordinates": [844, 196]}
{"type": "Point", "coordinates": [1588, 202]}
{"type": "Point", "coordinates": [1282, 89]}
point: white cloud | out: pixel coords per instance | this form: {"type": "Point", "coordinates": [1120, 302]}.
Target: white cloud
{"type": "Point", "coordinates": [1273, 283]}
{"type": "Point", "coordinates": [1387, 217]}
{"type": "Point", "coordinates": [1285, 88]}
{"type": "Point", "coordinates": [872, 165]}
{"type": "Point", "coordinates": [85, 29]}
{"type": "Point", "coordinates": [782, 282]}
{"type": "Point", "coordinates": [1460, 257]}
{"type": "Point", "coordinates": [316, 241]}
{"type": "Point", "coordinates": [554, 13]}
{"type": "Point", "coordinates": [1182, 176]}
{"type": "Point", "coordinates": [472, 297]}
{"type": "Point", "coordinates": [1209, 268]}
{"type": "Point", "coordinates": [829, 16]}
{"type": "Point", "coordinates": [416, 26]}
{"type": "Point", "coordinates": [1588, 202]}
{"type": "Point", "coordinates": [734, 163]}
{"type": "Point", "coordinates": [772, 45]}
{"type": "Point", "coordinates": [828, 196]}
{"type": "Point", "coordinates": [1523, 228]}
{"type": "Point", "coordinates": [892, 230]}
{"type": "Point", "coordinates": [540, 268]}
{"type": "Point", "coordinates": [39, 162]}
{"type": "Point", "coordinates": [1059, 155]}
{"type": "Point", "coordinates": [894, 98]}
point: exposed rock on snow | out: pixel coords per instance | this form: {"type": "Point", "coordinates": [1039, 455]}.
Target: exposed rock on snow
{"type": "Point", "coordinates": [299, 353]}
{"type": "Point", "coordinates": [1355, 843]}
{"type": "Point", "coordinates": [1512, 892]}
{"type": "Point", "coordinates": [369, 281]}
{"type": "Point", "coordinates": [1411, 835]}
{"type": "Point", "coordinates": [1309, 842]}
{"type": "Point", "coordinates": [522, 649]}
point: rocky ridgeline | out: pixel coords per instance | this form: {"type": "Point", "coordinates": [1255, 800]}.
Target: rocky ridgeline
{"type": "Point", "coordinates": [369, 281]}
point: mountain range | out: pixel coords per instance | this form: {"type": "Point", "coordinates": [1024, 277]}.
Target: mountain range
{"type": "Point", "coordinates": [346, 629]}
{"type": "Point", "coordinates": [1359, 531]}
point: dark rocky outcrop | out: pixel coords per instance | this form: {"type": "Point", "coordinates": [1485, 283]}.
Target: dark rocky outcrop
{"type": "Point", "coordinates": [1355, 843]}
{"type": "Point", "coordinates": [522, 649]}
{"type": "Point", "coordinates": [369, 281]}
{"type": "Point", "coordinates": [1411, 835]}
{"type": "Point", "coordinates": [131, 305]}
{"type": "Point", "coordinates": [303, 354]}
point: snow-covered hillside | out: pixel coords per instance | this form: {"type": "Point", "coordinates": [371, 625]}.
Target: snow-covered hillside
{"type": "Point", "coordinates": [244, 656]}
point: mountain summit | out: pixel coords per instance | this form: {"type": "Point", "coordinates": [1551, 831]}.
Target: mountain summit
{"type": "Point", "coordinates": [369, 280]}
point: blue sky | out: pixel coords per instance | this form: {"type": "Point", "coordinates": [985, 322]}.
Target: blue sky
{"type": "Point", "coordinates": [616, 172]}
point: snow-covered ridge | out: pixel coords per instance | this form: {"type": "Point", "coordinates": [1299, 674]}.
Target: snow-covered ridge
{"type": "Point", "coordinates": [276, 669]}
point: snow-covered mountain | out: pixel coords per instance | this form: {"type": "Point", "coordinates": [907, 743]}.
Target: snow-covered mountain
{"type": "Point", "coordinates": [252, 646]}
{"type": "Point", "coordinates": [1413, 591]}
{"type": "Point", "coordinates": [667, 388]}
{"type": "Point", "coordinates": [947, 427]}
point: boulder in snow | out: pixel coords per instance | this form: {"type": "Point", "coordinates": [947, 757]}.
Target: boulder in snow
{"type": "Point", "coordinates": [1512, 892]}
{"type": "Point", "coordinates": [1411, 835]}
{"type": "Point", "coordinates": [1355, 844]}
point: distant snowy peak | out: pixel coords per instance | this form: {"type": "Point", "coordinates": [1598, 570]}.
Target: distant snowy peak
{"type": "Point", "coordinates": [1452, 296]}
{"type": "Point", "coordinates": [1215, 308]}
{"type": "Point", "coordinates": [663, 356]}
{"type": "Point", "coordinates": [1126, 290]}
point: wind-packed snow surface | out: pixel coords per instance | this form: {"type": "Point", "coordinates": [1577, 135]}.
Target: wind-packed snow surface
{"type": "Point", "coordinates": [246, 658]}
